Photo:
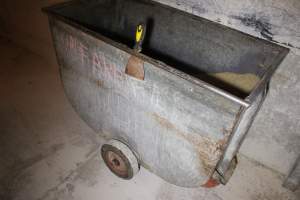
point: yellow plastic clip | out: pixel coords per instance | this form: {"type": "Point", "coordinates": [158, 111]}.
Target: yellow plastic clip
{"type": "Point", "coordinates": [139, 37]}
{"type": "Point", "coordinates": [139, 33]}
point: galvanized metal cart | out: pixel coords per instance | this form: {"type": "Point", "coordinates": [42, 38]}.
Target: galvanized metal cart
{"type": "Point", "coordinates": [161, 108]}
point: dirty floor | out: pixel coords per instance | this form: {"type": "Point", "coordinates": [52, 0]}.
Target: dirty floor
{"type": "Point", "coordinates": [48, 153]}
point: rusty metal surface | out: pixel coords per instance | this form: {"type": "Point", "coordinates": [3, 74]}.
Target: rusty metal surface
{"type": "Point", "coordinates": [181, 127]}
{"type": "Point", "coordinates": [245, 118]}
{"type": "Point", "coordinates": [135, 68]}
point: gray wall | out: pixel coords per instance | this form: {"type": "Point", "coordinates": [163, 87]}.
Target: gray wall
{"type": "Point", "coordinates": [274, 139]}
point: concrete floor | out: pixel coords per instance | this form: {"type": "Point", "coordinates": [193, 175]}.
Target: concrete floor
{"type": "Point", "coordinates": [48, 153]}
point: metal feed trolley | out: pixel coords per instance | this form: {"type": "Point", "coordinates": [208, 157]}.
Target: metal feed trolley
{"type": "Point", "coordinates": [162, 103]}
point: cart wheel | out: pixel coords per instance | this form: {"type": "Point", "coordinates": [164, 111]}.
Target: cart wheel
{"type": "Point", "coordinates": [120, 159]}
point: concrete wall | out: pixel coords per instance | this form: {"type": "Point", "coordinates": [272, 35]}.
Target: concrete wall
{"type": "Point", "coordinates": [274, 139]}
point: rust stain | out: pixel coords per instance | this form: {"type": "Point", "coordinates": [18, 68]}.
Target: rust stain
{"type": "Point", "coordinates": [223, 142]}
{"type": "Point", "coordinates": [99, 83]}
{"type": "Point", "coordinates": [211, 183]}
{"type": "Point", "coordinates": [227, 132]}
{"type": "Point", "coordinates": [163, 121]}
{"type": "Point", "coordinates": [135, 68]}
{"type": "Point", "coordinates": [209, 150]}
